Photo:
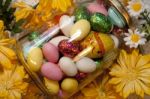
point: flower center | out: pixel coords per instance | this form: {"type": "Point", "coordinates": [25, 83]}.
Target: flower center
{"type": "Point", "coordinates": [137, 6]}
{"type": "Point", "coordinates": [132, 75]}
{"type": "Point", "coordinates": [135, 38]}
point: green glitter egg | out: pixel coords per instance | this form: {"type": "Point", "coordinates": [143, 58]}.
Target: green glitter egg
{"type": "Point", "coordinates": [101, 23]}
{"type": "Point", "coordinates": [81, 13]}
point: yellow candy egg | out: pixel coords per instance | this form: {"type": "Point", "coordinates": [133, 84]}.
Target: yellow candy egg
{"type": "Point", "coordinates": [35, 59]}
{"type": "Point", "coordinates": [98, 40]}
{"type": "Point", "coordinates": [80, 30]}
{"type": "Point", "coordinates": [52, 86]}
{"type": "Point", "coordinates": [69, 85]}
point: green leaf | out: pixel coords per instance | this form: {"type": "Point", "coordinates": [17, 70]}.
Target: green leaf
{"type": "Point", "coordinates": [6, 5]}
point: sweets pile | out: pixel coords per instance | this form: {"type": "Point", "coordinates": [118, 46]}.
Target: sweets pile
{"type": "Point", "coordinates": [69, 51]}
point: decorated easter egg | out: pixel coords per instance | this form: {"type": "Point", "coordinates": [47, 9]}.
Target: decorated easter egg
{"type": "Point", "coordinates": [101, 23]}
{"type": "Point", "coordinates": [86, 65]}
{"type": "Point", "coordinates": [56, 40]}
{"type": "Point", "coordinates": [35, 59]}
{"type": "Point", "coordinates": [51, 71]}
{"type": "Point", "coordinates": [95, 7]}
{"type": "Point", "coordinates": [50, 52]}
{"type": "Point", "coordinates": [101, 43]}
{"type": "Point", "coordinates": [52, 86]}
{"type": "Point", "coordinates": [68, 66]}
{"type": "Point", "coordinates": [81, 13]}
{"type": "Point", "coordinates": [116, 18]}
{"type": "Point", "coordinates": [80, 30]}
{"type": "Point", "coordinates": [69, 85]}
{"type": "Point", "coordinates": [66, 22]}
{"type": "Point", "coordinates": [69, 49]}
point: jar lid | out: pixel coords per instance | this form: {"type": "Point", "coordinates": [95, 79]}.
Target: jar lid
{"type": "Point", "coordinates": [117, 4]}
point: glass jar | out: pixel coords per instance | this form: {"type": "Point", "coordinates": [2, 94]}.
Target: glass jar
{"type": "Point", "coordinates": [103, 58]}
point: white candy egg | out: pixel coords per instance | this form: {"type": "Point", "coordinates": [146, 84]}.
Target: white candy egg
{"type": "Point", "coordinates": [68, 66]}
{"type": "Point", "coordinates": [66, 22]}
{"type": "Point", "coordinates": [55, 41]}
{"type": "Point", "coordinates": [86, 65]}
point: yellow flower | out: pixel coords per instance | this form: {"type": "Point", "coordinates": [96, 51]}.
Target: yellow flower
{"type": "Point", "coordinates": [2, 32]}
{"type": "Point", "coordinates": [99, 89]}
{"type": "Point", "coordinates": [131, 74]}
{"type": "Point", "coordinates": [12, 84]}
{"type": "Point", "coordinates": [61, 5]}
{"type": "Point", "coordinates": [7, 55]}
{"type": "Point", "coordinates": [23, 10]}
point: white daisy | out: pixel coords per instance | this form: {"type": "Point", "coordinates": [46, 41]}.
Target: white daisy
{"type": "Point", "coordinates": [134, 38]}
{"type": "Point", "coordinates": [135, 7]}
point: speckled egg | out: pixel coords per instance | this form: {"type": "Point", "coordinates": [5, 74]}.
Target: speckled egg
{"type": "Point", "coordinates": [68, 66]}
{"type": "Point", "coordinates": [86, 65]}
{"type": "Point", "coordinates": [50, 52]}
{"type": "Point", "coordinates": [35, 59]}
{"type": "Point", "coordinates": [80, 30]}
{"type": "Point", "coordinates": [69, 85]}
{"type": "Point", "coordinates": [51, 71]}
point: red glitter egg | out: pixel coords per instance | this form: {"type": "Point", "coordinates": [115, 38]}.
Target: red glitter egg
{"type": "Point", "coordinates": [80, 76]}
{"type": "Point", "coordinates": [69, 49]}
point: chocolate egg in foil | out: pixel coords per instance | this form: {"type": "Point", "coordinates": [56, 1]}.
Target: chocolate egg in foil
{"type": "Point", "coordinates": [69, 49]}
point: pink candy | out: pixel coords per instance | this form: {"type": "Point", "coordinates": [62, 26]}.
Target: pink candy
{"type": "Point", "coordinates": [51, 71]}
{"type": "Point", "coordinates": [94, 7]}
{"type": "Point", "coordinates": [50, 52]}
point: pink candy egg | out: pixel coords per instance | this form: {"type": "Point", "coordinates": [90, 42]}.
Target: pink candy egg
{"type": "Point", "coordinates": [50, 52]}
{"type": "Point", "coordinates": [94, 7]}
{"type": "Point", "coordinates": [51, 71]}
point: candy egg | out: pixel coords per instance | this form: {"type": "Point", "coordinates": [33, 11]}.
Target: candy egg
{"type": "Point", "coordinates": [66, 22]}
{"type": "Point", "coordinates": [101, 23]}
{"type": "Point", "coordinates": [69, 49]}
{"type": "Point", "coordinates": [68, 66]}
{"type": "Point", "coordinates": [101, 43]}
{"type": "Point", "coordinates": [81, 13]}
{"type": "Point", "coordinates": [51, 71]}
{"type": "Point", "coordinates": [86, 65]}
{"type": "Point", "coordinates": [35, 59]}
{"type": "Point", "coordinates": [94, 7]}
{"type": "Point", "coordinates": [116, 18]}
{"type": "Point", "coordinates": [80, 30]}
{"type": "Point", "coordinates": [52, 86]}
{"type": "Point", "coordinates": [50, 52]}
{"type": "Point", "coordinates": [56, 40]}
{"type": "Point", "coordinates": [69, 85]}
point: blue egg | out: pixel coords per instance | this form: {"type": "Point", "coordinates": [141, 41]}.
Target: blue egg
{"type": "Point", "coordinates": [116, 18]}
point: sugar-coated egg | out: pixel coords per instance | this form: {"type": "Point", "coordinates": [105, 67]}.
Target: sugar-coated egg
{"type": "Point", "coordinates": [35, 59]}
{"type": "Point", "coordinates": [68, 66]}
{"type": "Point", "coordinates": [51, 71]}
{"type": "Point", "coordinates": [66, 22]}
{"type": "Point", "coordinates": [56, 40]}
{"type": "Point", "coordinates": [69, 85]}
{"type": "Point", "coordinates": [86, 65]}
{"type": "Point", "coordinates": [80, 30]}
{"type": "Point", "coordinates": [52, 86]}
{"type": "Point", "coordinates": [50, 52]}
{"type": "Point", "coordinates": [95, 7]}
